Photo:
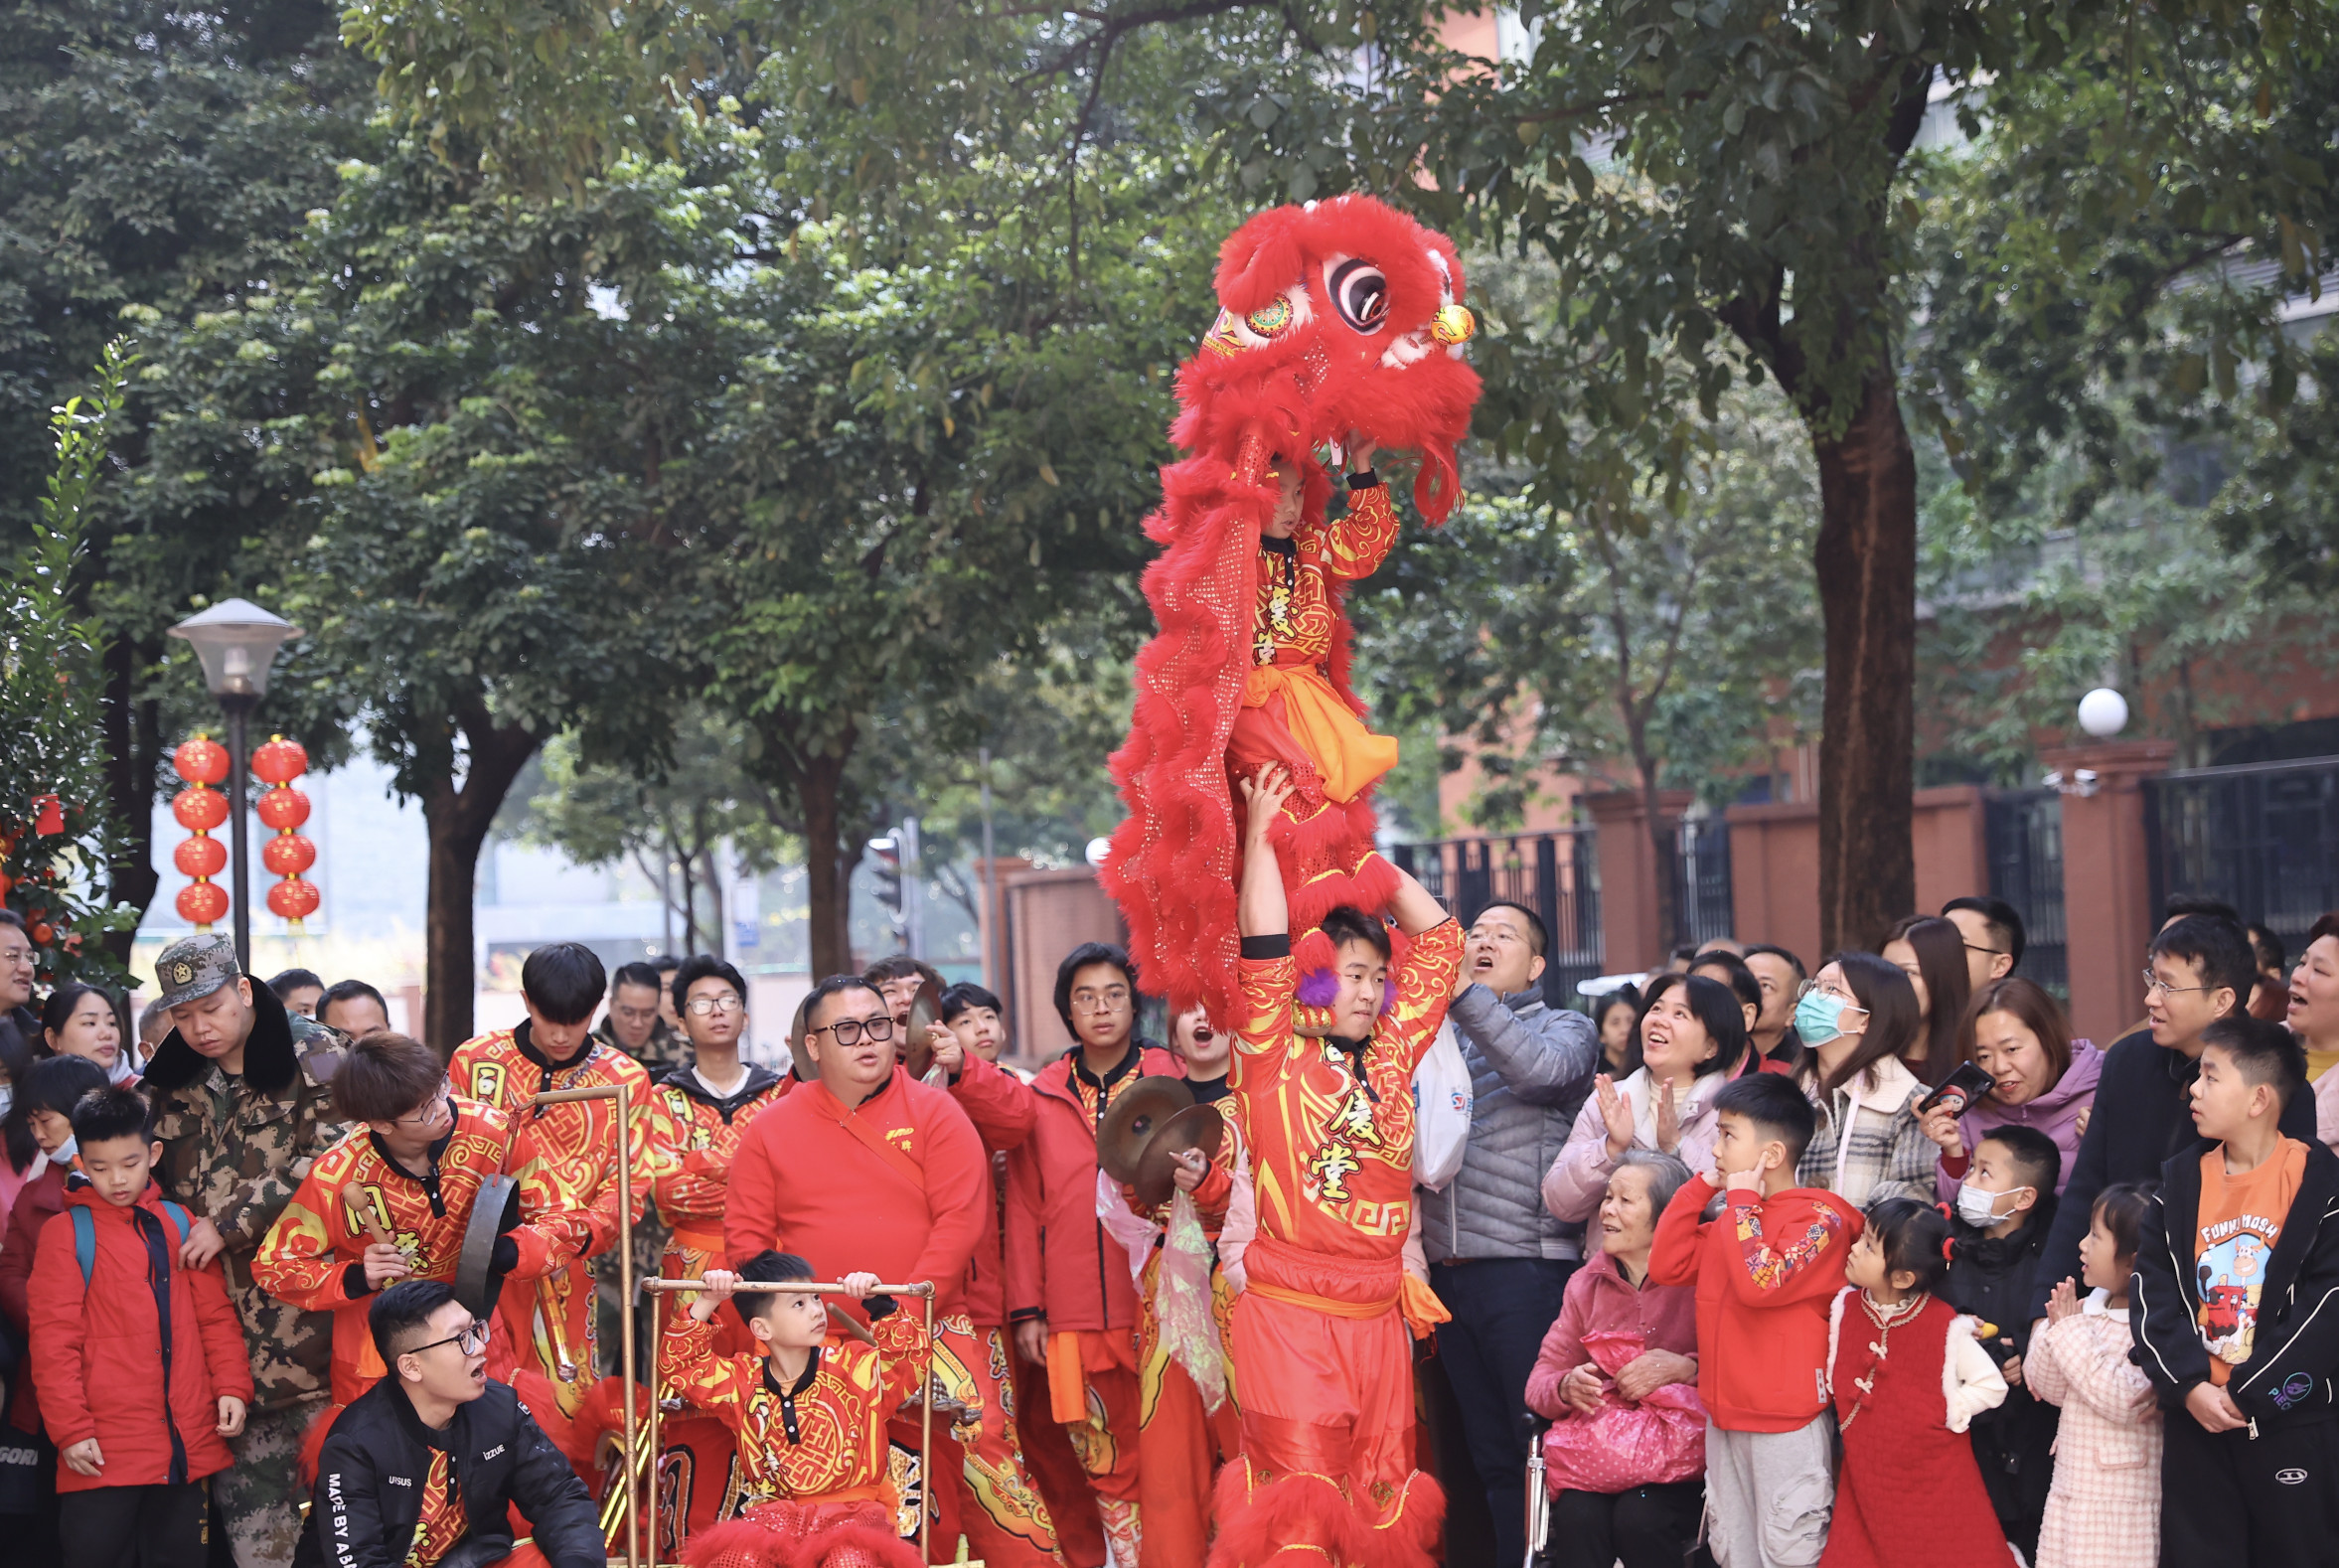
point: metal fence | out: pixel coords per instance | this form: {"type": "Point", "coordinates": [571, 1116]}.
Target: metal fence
{"type": "Point", "coordinates": [2024, 828]}
{"type": "Point", "coordinates": [1556, 875]}
{"type": "Point", "coordinates": [1702, 908]}
{"type": "Point", "coordinates": [2264, 838]}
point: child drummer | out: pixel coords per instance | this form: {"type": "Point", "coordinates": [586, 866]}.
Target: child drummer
{"type": "Point", "coordinates": [809, 1417]}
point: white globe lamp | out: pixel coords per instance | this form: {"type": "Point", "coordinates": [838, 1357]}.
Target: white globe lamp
{"type": "Point", "coordinates": [1099, 852]}
{"type": "Point", "coordinates": [2102, 713]}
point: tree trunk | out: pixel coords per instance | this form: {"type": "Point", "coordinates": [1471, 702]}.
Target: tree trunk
{"type": "Point", "coordinates": [1664, 842]}
{"type": "Point", "coordinates": [1866, 560]}
{"type": "Point", "coordinates": [458, 818]}
{"type": "Point", "coordinates": [827, 873]}
{"type": "Point", "coordinates": [133, 748]}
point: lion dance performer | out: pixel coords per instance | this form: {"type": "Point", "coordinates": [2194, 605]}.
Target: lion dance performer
{"type": "Point", "coordinates": [1340, 325]}
{"type": "Point", "coordinates": [1320, 1329]}
{"type": "Point", "coordinates": [551, 1327]}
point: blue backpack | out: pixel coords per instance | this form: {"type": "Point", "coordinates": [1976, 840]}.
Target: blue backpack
{"type": "Point", "coordinates": [85, 1235]}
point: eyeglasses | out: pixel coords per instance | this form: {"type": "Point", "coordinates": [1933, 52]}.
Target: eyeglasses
{"type": "Point", "coordinates": [849, 1032]}
{"type": "Point", "coordinates": [18, 955]}
{"type": "Point", "coordinates": [2154, 986]}
{"type": "Point", "coordinates": [428, 1111]}
{"type": "Point", "coordinates": [700, 1007]}
{"type": "Point", "coordinates": [1813, 988]}
{"type": "Point", "coordinates": [470, 1340]}
{"type": "Point", "coordinates": [1995, 952]}
{"type": "Point", "coordinates": [1100, 1001]}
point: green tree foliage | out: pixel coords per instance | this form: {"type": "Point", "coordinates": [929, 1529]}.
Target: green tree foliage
{"type": "Point", "coordinates": [54, 862]}
{"type": "Point", "coordinates": [159, 160]}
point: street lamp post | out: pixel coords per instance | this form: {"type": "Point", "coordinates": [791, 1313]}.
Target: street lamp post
{"type": "Point", "coordinates": [236, 642]}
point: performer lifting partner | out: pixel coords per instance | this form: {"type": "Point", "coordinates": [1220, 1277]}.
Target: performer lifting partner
{"type": "Point", "coordinates": [392, 1199]}
{"type": "Point", "coordinates": [1321, 1333]}
{"type": "Point", "coordinates": [809, 1418]}
{"type": "Point", "coordinates": [551, 1326]}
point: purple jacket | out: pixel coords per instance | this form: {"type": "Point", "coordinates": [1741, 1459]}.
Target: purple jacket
{"type": "Point", "coordinates": [2055, 1113]}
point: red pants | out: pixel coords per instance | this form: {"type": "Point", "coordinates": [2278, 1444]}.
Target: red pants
{"type": "Point", "coordinates": [544, 1329]}
{"type": "Point", "coordinates": [1055, 1469]}
{"type": "Point", "coordinates": [984, 1489]}
{"type": "Point", "coordinates": [1180, 1443]}
{"type": "Point", "coordinates": [1327, 1465]}
{"type": "Point", "coordinates": [1099, 1413]}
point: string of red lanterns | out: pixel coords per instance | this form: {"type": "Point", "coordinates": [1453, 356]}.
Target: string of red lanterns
{"type": "Point", "coordinates": [199, 808]}
{"type": "Point", "coordinates": [284, 809]}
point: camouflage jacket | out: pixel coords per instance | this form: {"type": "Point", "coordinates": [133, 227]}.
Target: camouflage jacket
{"type": "Point", "coordinates": [664, 1049]}
{"type": "Point", "coordinates": [233, 1150]}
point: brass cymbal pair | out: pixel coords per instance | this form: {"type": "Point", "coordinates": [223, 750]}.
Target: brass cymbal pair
{"type": "Point", "coordinates": [1154, 1122]}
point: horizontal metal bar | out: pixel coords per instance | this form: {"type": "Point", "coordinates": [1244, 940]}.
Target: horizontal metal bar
{"type": "Point", "coordinates": [799, 1286]}
{"type": "Point", "coordinates": [2211, 775]}
{"type": "Point", "coordinates": [605, 1091]}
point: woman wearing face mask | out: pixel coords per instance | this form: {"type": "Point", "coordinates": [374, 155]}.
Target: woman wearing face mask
{"type": "Point", "coordinates": [1858, 1019]}
{"type": "Point", "coordinates": [1692, 1042]}
{"type": "Point", "coordinates": [80, 1020]}
{"type": "Point", "coordinates": [2046, 1080]}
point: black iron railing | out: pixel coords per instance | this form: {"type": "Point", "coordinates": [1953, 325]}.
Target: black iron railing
{"type": "Point", "coordinates": [2024, 829]}
{"type": "Point", "coordinates": [1703, 897]}
{"type": "Point", "coordinates": [1556, 875]}
{"type": "Point", "coordinates": [2264, 838]}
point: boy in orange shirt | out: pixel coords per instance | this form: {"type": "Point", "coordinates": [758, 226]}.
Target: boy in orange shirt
{"type": "Point", "coordinates": [2235, 1309]}
{"type": "Point", "coordinates": [1766, 1273]}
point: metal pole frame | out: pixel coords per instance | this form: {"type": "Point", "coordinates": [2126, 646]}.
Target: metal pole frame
{"type": "Point", "coordinates": [623, 1095]}
{"type": "Point", "coordinates": [925, 1296]}
{"type": "Point", "coordinates": [238, 708]}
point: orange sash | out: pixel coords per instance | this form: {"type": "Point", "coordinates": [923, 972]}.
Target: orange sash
{"type": "Point", "coordinates": [1348, 756]}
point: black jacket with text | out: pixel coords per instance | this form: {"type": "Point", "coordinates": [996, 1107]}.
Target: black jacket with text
{"type": "Point", "coordinates": [376, 1460]}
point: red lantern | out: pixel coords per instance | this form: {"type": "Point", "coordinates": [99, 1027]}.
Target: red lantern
{"type": "Point", "coordinates": [201, 903]}
{"type": "Point", "coordinates": [283, 807]}
{"type": "Point", "coordinates": [293, 898]}
{"type": "Point", "coordinates": [202, 760]}
{"type": "Point", "coordinates": [289, 854]}
{"type": "Point", "coordinates": [47, 814]}
{"type": "Point", "coordinates": [279, 761]}
{"type": "Point", "coordinates": [200, 855]}
{"type": "Point", "coordinates": [197, 809]}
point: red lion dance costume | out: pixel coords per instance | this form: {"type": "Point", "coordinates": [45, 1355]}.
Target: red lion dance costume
{"type": "Point", "coordinates": [1336, 317]}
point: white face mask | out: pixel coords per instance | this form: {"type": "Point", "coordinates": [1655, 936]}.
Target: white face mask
{"type": "Point", "coordinates": [7, 1097]}
{"type": "Point", "coordinates": [1979, 1208]}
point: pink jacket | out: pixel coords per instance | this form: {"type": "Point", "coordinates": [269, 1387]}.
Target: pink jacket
{"type": "Point", "coordinates": [2104, 1509]}
{"type": "Point", "coordinates": [1577, 1180]}
{"type": "Point", "coordinates": [1598, 1297]}
{"type": "Point", "coordinates": [2055, 1113]}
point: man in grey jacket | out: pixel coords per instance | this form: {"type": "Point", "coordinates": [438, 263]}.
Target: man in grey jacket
{"type": "Point", "coordinates": [1497, 1259]}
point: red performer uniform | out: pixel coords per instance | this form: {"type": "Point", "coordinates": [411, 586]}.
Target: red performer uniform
{"type": "Point", "coordinates": [697, 1472]}
{"type": "Point", "coordinates": [551, 1327]}
{"type": "Point", "coordinates": [899, 1185]}
{"type": "Point", "coordinates": [314, 1255]}
{"type": "Point", "coordinates": [1061, 1266]}
{"type": "Point", "coordinates": [814, 1479]}
{"type": "Point", "coordinates": [1181, 1441]}
{"type": "Point", "coordinates": [1293, 712]}
{"type": "Point", "coordinates": [1320, 1330]}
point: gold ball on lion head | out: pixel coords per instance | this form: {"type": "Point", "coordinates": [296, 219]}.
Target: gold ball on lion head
{"type": "Point", "coordinates": [1453, 324]}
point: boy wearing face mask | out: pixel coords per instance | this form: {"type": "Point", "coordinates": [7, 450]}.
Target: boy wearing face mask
{"type": "Point", "coordinates": [2005, 1208]}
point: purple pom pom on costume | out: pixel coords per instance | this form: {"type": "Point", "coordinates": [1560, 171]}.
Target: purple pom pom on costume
{"type": "Point", "coordinates": [1318, 987]}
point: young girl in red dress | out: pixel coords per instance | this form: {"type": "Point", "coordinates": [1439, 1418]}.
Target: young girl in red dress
{"type": "Point", "coordinates": [1907, 1374]}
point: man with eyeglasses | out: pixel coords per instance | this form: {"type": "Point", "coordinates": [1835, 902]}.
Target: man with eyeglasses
{"type": "Point", "coordinates": [1993, 932]}
{"type": "Point", "coordinates": [635, 1023]}
{"type": "Point", "coordinates": [863, 1168]}
{"type": "Point", "coordinates": [1070, 1296]}
{"type": "Point", "coordinates": [18, 964]}
{"type": "Point", "coordinates": [2201, 970]}
{"type": "Point", "coordinates": [554, 1319]}
{"type": "Point", "coordinates": [394, 1202]}
{"type": "Point", "coordinates": [428, 1467]}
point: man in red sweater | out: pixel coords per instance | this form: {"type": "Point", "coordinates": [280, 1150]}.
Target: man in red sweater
{"type": "Point", "coordinates": [1766, 1272]}
{"type": "Point", "coordinates": [867, 1170]}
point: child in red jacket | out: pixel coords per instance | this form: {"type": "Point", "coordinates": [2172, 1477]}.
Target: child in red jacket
{"type": "Point", "coordinates": [1766, 1274]}
{"type": "Point", "coordinates": [141, 1363]}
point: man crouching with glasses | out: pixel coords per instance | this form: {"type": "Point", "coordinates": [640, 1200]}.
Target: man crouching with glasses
{"type": "Point", "coordinates": [425, 1468]}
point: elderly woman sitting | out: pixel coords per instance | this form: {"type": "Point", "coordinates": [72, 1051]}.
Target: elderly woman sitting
{"type": "Point", "coordinates": [1619, 1342]}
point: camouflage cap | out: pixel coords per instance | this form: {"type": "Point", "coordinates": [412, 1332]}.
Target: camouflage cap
{"type": "Point", "coordinates": [194, 967]}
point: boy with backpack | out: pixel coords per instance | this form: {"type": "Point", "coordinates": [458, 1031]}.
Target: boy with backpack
{"type": "Point", "coordinates": [139, 1361]}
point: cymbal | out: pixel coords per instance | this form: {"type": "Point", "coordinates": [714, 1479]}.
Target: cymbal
{"type": "Point", "coordinates": [1132, 1120]}
{"type": "Point", "coordinates": [1197, 1126]}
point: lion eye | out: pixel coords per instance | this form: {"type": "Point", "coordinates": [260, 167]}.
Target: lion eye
{"type": "Point", "coordinates": [1360, 294]}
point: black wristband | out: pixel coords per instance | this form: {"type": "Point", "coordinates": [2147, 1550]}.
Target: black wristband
{"type": "Point", "coordinates": [353, 1281]}
{"type": "Point", "coordinates": [506, 1257]}
{"type": "Point", "coordinates": [1275, 944]}
{"type": "Point", "coordinates": [1367, 480]}
{"type": "Point", "coordinates": [878, 1306]}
